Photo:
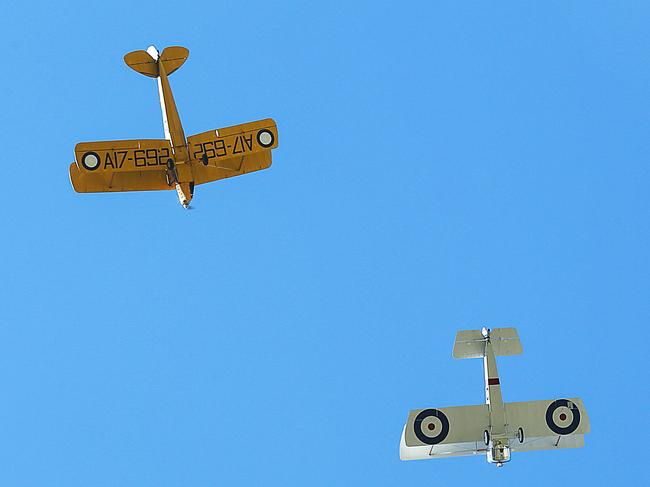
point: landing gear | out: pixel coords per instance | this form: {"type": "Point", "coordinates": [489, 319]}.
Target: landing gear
{"type": "Point", "coordinates": [184, 190]}
{"type": "Point", "coordinates": [204, 159]}
{"type": "Point", "coordinates": [520, 435]}
{"type": "Point", "coordinates": [486, 437]}
{"type": "Point", "coordinates": [170, 172]}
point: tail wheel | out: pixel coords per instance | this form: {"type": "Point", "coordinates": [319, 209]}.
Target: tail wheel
{"type": "Point", "coordinates": [486, 437]}
{"type": "Point", "coordinates": [520, 435]}
{"type": "Point", "coordinates": [170, 164]}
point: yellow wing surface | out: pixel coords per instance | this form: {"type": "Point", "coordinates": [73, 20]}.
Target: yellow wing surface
{"type": "Point", "coordinates": [230, 148]}
{"type": "Point", "coordinates": [121, 165]}
{"type": "Point", "coordinates": [140, 165]}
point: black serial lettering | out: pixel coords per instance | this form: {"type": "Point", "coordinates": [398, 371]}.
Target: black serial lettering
{"type": "Point", "coordinates": [108, 162]}
{"type": "Point", "coordinates": [238, 149]}
{"type": "Point", "coordinates": [152, 157]}
{"type": "Point", "coordinates": [163, 158]}
{"type": "Point", "coordinates": [220, 147]}
{"type": "Point", "coordinates": [122, 155]}
{"type": "Point", "coordinates": [140, 159]}
{"type": "Point", "coordinates": [249, 141]}
{"type": "Point", "coordinates": [208, 149]}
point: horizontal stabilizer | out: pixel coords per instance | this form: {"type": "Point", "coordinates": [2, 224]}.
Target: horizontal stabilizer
{"type": "Point", "coordinates": [142, 62]}
{"type": "Point", "coordinates": [146, 62]}
{"type": "Point", "coordinates": [471, 343]}
{"type": "Point", "coordinates": [173, 58]}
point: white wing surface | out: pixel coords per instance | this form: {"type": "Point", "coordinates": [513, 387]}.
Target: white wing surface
{"type": "Point", "coordinates": [444, 432]}
{"type": "Point", "coordinates": [547, 424]}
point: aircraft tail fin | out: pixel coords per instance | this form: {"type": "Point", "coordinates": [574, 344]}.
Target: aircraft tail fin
{"type": "Point", "coordinates": [146, 62]}
{"type": "Point", "coordinates": [471, 343]}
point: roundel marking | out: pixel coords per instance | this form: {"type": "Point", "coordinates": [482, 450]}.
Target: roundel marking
{"type": "Point", "coordinates": [562, 428]}
{"type": "Point", "coordinates": [265, 138]}
{"type": "Point", "coordinates": [90, 160]}
{"type": "Point", "coordinates": [435, 421]}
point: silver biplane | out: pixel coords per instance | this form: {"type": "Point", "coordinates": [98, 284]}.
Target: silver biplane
{"type": "Point", "coordinates": [494, 428]}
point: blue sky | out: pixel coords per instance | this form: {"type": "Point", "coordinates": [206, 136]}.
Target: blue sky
{"type": "Point", "coordinates": [441, 166]}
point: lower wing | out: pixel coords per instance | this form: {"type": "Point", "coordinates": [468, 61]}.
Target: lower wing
{"type": "Point", "coordinates": [241, 165]}
{"type": "Point", "coordinates": [439, 451]}
{"type": "Point", "coordinates": [84, 182]}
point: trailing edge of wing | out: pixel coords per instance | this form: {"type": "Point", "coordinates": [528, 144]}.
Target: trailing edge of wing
{"type": "Point", "coordinates": [241, 165]}
{"type": "Point", "coordinates": [85, 182]}
{"type": "Point", "coordinates": [445, 450]}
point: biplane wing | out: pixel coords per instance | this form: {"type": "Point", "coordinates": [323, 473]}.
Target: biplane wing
{"type": "Point", "coordinates": [444, 432]}
{"type": "Point", "coordinates": [84, 182]}
{"type": "Point", "coordinates": [230, 147]}
{"type": "Point", "coordinates": [245, 164]}
{"type": "Point", "coordinates": [548, 425]}
{"type": "Point", "coordinates": [120, 165]}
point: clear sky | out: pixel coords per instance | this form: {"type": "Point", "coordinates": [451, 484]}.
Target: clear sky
{"type": "Point", "coordinates": [442, 166]}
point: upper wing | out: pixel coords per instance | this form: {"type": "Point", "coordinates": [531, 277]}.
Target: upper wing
{"type": "Point", "coordinates": [548, 424]}
{"type": "Point", "coordinates": [227, 147]}
{"type": "Point", "coordinates": [454, 431]}
{"type": "Point", "coordinates": [122, 155]}
{"type": "Point", "coordinates": [120, 165]}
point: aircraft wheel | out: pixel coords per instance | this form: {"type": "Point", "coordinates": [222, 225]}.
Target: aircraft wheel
{"type": "Point", "coordinates": [204, 159]}
{"type": "Point", "coordinates": [170, 164]}
{"type": "Point", "coordinates": [520, 435]}
{"type": "Point", "coordinates": [486, 437]}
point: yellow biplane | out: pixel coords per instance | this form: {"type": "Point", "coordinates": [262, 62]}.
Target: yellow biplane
{"type": "Point", "coordinates": [175, 162]}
